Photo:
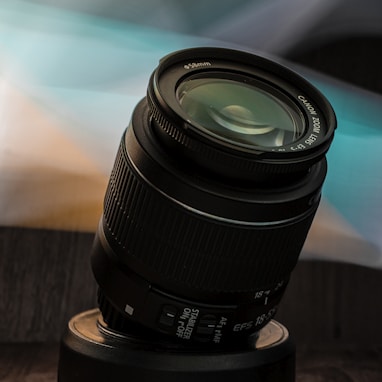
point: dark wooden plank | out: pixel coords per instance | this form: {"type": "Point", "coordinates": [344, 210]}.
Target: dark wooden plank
{"type": "Point", "coordinates": [28, 362]}
{"type": "Point", "coordinates": [339, 364]}
{"type": "Point", "coordinates": [38, 363]}
{"type": "Point", "coordinates": [45, 278]}
{"type": "Point", "coordinates": [332, 302]}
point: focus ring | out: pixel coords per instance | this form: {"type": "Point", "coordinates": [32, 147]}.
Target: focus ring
{"type": "Point", "coordinates": [173, 134]}
{"type": "Point", "coordinates": [152, 233]}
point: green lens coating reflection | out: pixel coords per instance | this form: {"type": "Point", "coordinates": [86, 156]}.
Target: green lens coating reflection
{"type": "Point", "coordinates": [238, 112]}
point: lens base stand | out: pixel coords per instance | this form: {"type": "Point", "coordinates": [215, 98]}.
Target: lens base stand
{"type": "Point", "coordinates": [91, 352]}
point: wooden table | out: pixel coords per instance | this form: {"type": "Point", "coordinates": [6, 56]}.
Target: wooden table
{"type": "Point", "coordinates": [38, 363]}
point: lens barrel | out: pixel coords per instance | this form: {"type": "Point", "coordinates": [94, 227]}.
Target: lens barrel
{"type": "Point", "coordinates": [213, 191]}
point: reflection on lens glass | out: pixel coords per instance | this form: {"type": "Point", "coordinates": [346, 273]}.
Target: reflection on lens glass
{"type": "Point", "coordinates": [238, 112]}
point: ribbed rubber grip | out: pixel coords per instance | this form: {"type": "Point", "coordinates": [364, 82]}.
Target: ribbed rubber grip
{"type": "Point", "coordinates": [189, 249]}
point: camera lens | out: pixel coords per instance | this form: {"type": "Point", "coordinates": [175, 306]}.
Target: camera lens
{"type": "Point", "coordinates": [213, 191]}
{"type": "Point", "coordinates": [239, 112]}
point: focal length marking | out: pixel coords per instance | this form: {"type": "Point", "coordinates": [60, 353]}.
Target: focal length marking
{"type": "Point", "coordinates": [196, 65]}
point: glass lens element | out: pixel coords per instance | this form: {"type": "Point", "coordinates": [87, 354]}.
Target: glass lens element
{"type": "Point", "coordinates": [239, 112]}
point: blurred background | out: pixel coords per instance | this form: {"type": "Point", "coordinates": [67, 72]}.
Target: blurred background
{"type": "Point", "coordinates": [70, 75]}
{"type": "Point", "coordinates": [303, 31]}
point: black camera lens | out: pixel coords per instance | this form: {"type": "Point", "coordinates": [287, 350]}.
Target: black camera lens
{"type": "Point", "coordinates": [213, 191]}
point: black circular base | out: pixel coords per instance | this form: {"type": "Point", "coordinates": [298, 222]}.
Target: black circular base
{"type": "Point", "coordinates": [91, 352]}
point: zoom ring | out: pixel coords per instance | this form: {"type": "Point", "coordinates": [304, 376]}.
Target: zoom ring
{"type": "Point", "coordinates": [153, 232]}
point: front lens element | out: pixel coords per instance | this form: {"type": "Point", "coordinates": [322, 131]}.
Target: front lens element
{"type": "Point", "coordinates": [239, 112]}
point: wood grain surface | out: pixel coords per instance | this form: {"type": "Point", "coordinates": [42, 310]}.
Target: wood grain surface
{"type": "Point", "coordinates": [38, 363]}
{"type": "Point", "coordinates": [45, 278]}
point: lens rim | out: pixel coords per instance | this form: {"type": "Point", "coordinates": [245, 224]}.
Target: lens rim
{"type": "Point", "coordinates": [177, 132]}
{"type": "Point", "coordinates": [270, 91]}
